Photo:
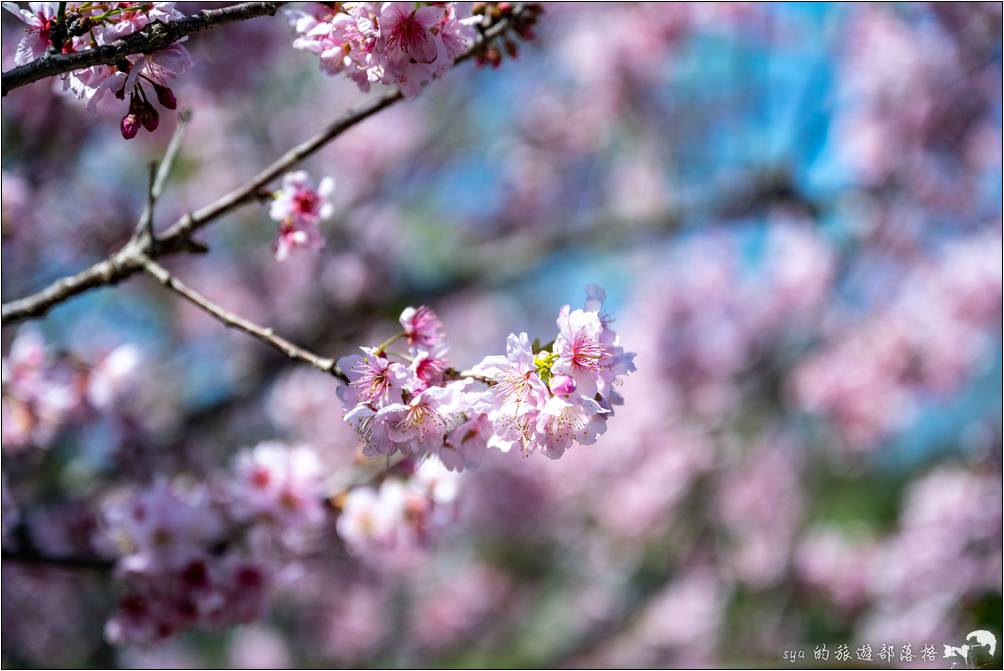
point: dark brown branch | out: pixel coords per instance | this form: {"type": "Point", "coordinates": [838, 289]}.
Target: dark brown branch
{"type": "Point", "coordinates": [35, 559]}
{"type": "Point", "coordinates": [130, 258]}
{"type": "Point", "coordinates": [155, 36]}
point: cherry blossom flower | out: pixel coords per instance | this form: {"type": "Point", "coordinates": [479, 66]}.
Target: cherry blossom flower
{"type": "Point", "coordinates": [370, 517]}
{"type": "Point", "coordinates": [161, 528]}
{"type": "Point", "coordinates": [560, 422]}
{"type": "Point", "coordinates": [374, 379]}
{"type": "Point", "coordinates": [429, 368]}
{"type": "Point", "coordinates": [38, 19]}
{"type": "Point", "coordinates": [280, 485]}
{"type": "Point", "coordinates": [543, 401]}
{"type": "Point", "coordinates": [113, 376]}
{"type": "Point", "coordinates": [36, 399]}
{"type": "Point", "coordinates": [581, 355]}
{"type": "Point", "coordinates": [420, 425]}
{"type": "Point", "coordinates": [142, 76]}
{"type": "Point", "coordinates": [299, 207]}
{"type": "Point", "coordinates": [422, 327]}
{"type": "Point", "coordinates": [397, 43]}
{"type": "Point", "coordinates": [290, 238]}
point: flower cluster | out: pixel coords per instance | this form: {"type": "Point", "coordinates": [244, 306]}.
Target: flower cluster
{"type": "Point", "coordinates": [540, 398]}
{"type": "Point", "coordinates": [35, 401]}
{"type": "Point", "coordinates": [400, 512]}
{"type": "Point", "coordinates": [182, 562]}
{"type": "Point", "coordinates": [398, 43]}
{"type": "Point", "coordinates": [42, 393]}
{"type": "Point", "coordinates": [402, 44]}
{"type": "Point", "coordinates": [872, 376]}
{"type": "Point", "coordinates": [299, 207]}
{"type": "Point", "coordinates": [93, 24]}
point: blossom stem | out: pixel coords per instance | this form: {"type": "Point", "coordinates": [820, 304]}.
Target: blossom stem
{"type": "Point", "coordinates": [156, 185]}
{"type": "Point", "coordinates": [388, 342]}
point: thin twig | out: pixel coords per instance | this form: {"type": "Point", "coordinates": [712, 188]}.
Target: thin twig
{"type": "Point", "coordinates": [155, 36]}
{"type": "Point", "coordinates": [130, 259]}
{"type": "Point", "coordinates": [171, 153]}
{"type": "Point", "coordinates": [158, 177]}
{"type": "Point", "coordinates": [262, 333]}
{"type": "Point", "coordinates": [265, 333]}
{"type": "Point", "coordinates": [146, 220]}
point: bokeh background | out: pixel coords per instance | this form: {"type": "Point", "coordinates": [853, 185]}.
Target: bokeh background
{"type": "Point", "coordinates": [796, 212]}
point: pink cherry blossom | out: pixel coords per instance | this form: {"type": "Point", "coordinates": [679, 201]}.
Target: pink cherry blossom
{"type": "Point", "coordinates": [374, 379]}
{"type": "Point", "coordinates": [113, 376]}
{"type": "Point", "coordinates": [279, 485]}
{"type": "Point", "coordinates": [405, 28]}
{"type": "Point", "coordinates": [37, 398]}
{"type": "Point", "coordinates": [38, 19]}
{"type": "Point", "coordinates": [581, 355]}
{"type": "Point", "coordinates": [299, 207]}
{"type": "Point", "coordinates": [370, 518]}
{"type": "Point", "coordinates": [420, 425]}
{"type": "Point", "coordinates": [422, 328]}
{"type": "Point", "coordinates": [561, 422]}
{"type": "Point", "coordinates": [300, 201]}
{"type": "Point", "coordinates": [429, 367]}
{"type": "Point", "coordinates": [161, 528]}
{"type": "Point", "coordinates": [141, 76]}
{"type": "Point", "coordinates": [400, 44]}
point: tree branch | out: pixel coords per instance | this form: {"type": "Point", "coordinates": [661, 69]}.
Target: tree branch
{"type": "Point", "coordinates": [231, 320]}
{"type": "Point", "coordinates": [130, 259]}
{"type": "Point", "coordinates": [155, 36]}
{"type": "Point", "coordinates": [158, 179]}
{"type": "Point", "coordinates": [37, 559]}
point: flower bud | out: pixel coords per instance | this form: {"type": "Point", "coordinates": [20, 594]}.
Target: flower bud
{"type": "Point", "coordinates": [562, 385]}
{"type": "Point", "coordinates": [129, 126]}
{"type": "Point", "coordinates": [165, 97]}
{"type": "Point", "coordinates": [149, 118]}
{"type": "Point", "coordinates": [493, 57]}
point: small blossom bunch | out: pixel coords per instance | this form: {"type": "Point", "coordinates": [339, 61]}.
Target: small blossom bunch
{"type": "Point", "coordinates": [542, 398]}
{"type": "Point", "coordinates": [545, 398]}
{"type": "Point", "coordinates": [88, 25]}
{"type": "Point", "coordinates": [279, 486]}
{"type": "Point", "coordinates": [403, 44]}
{"type": "Point", "coordinates": [44, 393]}
{"type": "Point", "coordinates": [37, 400]}
{"type": "Point", "coordinates": [299, 207]}
{"type": "Point", "coordinates": [398, 43]}
{"type": "Point", "coordinates": [172, 580]}
{"type": "Point", "coordinates": [201, 558]}
{"type": "Point", "coordinates": [400, 512]}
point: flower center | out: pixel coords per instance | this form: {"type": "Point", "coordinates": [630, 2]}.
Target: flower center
{"type": "Point", "coordinates": [588, 353]}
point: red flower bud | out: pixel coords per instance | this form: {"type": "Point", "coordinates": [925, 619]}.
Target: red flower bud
{"type": "Point", "coordinates": [149, 118]}
{"type": "Point", "coordinates": [129, 126]}
{"type": "Point", "coordinates": [493, 57]}
{"type": "Point", "coordinates": [165, 97]}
